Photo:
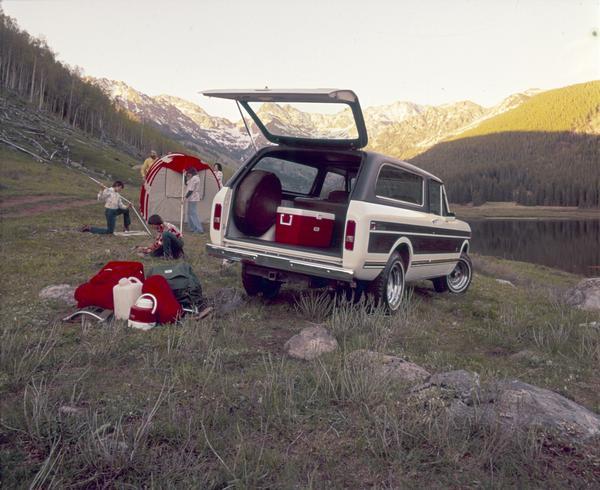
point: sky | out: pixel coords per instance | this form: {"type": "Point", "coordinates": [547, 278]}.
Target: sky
{"type": "Point", "coordinates": [424, 51]}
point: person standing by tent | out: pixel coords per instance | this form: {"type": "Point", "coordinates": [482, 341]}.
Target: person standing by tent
{"type": "Point", "coordinates": [148, 162]}
{"type": "Point", "coordinates": [219, 174]}
{"type": "Point", "coordinates": [168, 242]}
{"type": "Point", "coordinates": [192, 197]}
{"type": "Point", "coordinates": [113, 207]}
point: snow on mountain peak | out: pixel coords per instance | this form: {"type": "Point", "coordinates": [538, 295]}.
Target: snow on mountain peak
{"type": "Point", "coordinates": [422, 125]}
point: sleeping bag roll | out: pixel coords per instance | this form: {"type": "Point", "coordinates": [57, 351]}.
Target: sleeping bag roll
{"type": "Point", "coordinates": [256, 201]}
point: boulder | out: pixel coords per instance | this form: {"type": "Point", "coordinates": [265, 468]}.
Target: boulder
{"type": "Point", "coordinates": [389, 367]}
{"type": "Point", "coordinates": [510, 405]}
{"type": "Point", "coordinates": [310, 343]}
{"type": "Point", "coordinates": [586, 295]}
{"type": "Point", "coordinates": [515, 404]}
{"type": "Point", "coordinates": [464, 385]}
{"type": "Point", "coordinates": [60, 292]}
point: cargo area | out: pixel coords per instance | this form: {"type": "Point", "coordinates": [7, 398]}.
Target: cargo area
{"type": "Point", "coordinates": [294, 199]}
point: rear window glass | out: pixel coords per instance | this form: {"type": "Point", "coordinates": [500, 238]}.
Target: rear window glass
{"type": "Point", "coordinates": [296, 178]}
{"type": "Point", "coordinates": [311, 120]}
{"type": "Point", "coordinates": [400, 185]}
{"type": "Point", "coordinates": [333, 182]}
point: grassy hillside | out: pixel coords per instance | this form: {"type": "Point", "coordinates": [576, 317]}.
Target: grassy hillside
{"type": "Point", "coordinates": [216, 403]}
{"type": "Point", "coordinates": [60, 147]}
{"type": "Point", "coordinates": [574, 108]}
{"type": "Point", "coordinates": [544, 152]}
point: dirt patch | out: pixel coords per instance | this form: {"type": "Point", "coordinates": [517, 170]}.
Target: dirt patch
{"type": "Point", "coordinates": [14, 201]}
{"type": "Point", "coordinates": [35, 205]}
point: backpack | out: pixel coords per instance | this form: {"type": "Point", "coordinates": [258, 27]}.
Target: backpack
{"type": "Point", "coordinates": [183, 282]}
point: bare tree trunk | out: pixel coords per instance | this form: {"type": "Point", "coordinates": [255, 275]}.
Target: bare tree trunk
{"type": "Point", "coordinates": [69, 107]}
{"type": "Point", "coordinates": [41, 89]}
{"type": "Point", "coordinates": [32, 79]}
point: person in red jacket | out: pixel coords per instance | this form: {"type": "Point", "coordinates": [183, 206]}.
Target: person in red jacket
{"type": "Point", "coordinates": [168, 242]}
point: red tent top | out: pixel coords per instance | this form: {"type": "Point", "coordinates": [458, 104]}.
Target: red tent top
{"type": "Point", "coordinates": [177, 162]}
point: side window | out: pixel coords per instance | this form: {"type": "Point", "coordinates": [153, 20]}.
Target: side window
{"type": "Point", "coordinates": [332, 182]}
{"type": "Point", "coordinates": [398, 184]}
{"type": "Point", "coordinates": [294, 177]}
{"type": "Point", "coordinates": [445, 210]}
{"type": "Point", "coordinates": [435, 197]}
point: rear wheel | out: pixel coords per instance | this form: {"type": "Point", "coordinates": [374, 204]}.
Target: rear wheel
{"type": "Point", "coordinates": [459, 280]}
{"type": "Point", "coordinates": [256, 284]}
{"type": "Point", "coordinates": [388, 288]}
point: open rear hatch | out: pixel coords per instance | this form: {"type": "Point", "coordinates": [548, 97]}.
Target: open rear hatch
{"type": "Point", "coordinates": [318, 118]}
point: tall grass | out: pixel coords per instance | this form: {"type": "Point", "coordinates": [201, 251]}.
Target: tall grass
{"type": "Point", "coordinates": [24, 350]}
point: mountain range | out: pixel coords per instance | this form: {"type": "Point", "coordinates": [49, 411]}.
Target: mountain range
{"type": "Point", "coordinates": [402, 129]}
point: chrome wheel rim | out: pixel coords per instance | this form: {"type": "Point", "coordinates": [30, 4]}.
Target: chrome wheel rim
{"type": "Point", "coordinates": [395, 286]}
{"type": "Point", "coordinates": [459, 278]}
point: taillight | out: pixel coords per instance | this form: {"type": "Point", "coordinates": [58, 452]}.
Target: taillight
{"type": "Point", "coordinates": [217, 217]}
{"type": "Point", "coordinates": [350, 234]}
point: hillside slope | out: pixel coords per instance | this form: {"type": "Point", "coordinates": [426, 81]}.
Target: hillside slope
{"type": "Point", "coordinates": [30, 69]}
{"type": "Point", "coordinates": [544, 152]}
{"type": "Point", "coordinates": [44, 138]}
{"type": "Point", "coordinates": [213, 138]}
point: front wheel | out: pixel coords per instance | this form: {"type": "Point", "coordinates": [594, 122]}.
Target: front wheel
{"type": "Point", "coordinates": [388, 288]}
{"type": "Point", "coordinates": [459, 280]}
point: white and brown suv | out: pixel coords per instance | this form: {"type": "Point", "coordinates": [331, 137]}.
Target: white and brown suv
{"type": "Point", "coordinates": [313, 207]}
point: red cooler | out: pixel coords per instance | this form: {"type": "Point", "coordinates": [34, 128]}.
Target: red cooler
{"type": "Point", "coordinates": [304, 227]}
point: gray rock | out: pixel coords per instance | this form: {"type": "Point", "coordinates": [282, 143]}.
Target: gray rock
{"type": "Point", "coordinates": [227, 300]}
{"type": "Point", "coordinates": [518, 405]}
{"type": "Point", "coordinates": [389, 367]}
{"type": "Point", "coordinates": [71, 411]}
{"type": "Point", "coordinates": [61, 292]}
{"type": "Point", "coordinates": [462, 382]}
{"type": "Point", "coordinates": [509, 405]}
{"type": "Point", "coordinates": [590, 325]}
{"type": "Point", "coordinates": [505, 282]}
{"type": "Point", "coordinates": [586, 295]}
{"type": "Point", "coordinates": [310, 343]}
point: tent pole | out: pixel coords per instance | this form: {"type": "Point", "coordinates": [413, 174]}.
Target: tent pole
{"type": "Point", "coordinates": [182, 202]}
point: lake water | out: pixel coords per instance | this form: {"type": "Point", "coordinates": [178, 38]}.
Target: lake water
{"type": "Point", "coordinates": [570, 245]}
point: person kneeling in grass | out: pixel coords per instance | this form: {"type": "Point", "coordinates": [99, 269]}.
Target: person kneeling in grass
{"type": "Point", "coordinates": [168, 242]}
{"type": "Point", "coordinates": [113, 207]}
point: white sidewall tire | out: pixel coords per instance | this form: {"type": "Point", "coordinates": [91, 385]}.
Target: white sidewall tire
{"type": "Point", "coordinates": [458, 284]}
{"type": "Point", "coordinates": [396, 274]}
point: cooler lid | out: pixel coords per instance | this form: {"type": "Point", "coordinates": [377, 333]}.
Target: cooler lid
{"type": "Point", "coordinates": [305, 212]}
{"type": "Point", "coordinates": [308, 117]}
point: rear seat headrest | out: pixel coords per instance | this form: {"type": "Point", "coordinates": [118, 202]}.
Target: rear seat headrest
{"type": "Point", "coordinates": [338, 196]}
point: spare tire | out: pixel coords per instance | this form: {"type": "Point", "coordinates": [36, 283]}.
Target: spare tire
{"type": "Point", "coordinates": [256, 201]}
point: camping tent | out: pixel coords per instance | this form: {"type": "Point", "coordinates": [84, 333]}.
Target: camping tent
{"type": "Point", "coordinates": [164, 185]}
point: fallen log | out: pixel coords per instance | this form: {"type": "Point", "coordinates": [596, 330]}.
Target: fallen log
{"type": "Point", "coordinates": [10, 143]}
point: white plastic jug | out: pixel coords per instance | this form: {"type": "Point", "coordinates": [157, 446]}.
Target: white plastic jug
{"type": "Point", "coordinates": [125, 294]}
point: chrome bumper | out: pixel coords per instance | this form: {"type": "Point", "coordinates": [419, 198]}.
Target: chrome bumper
{"type": "Point", "coordinates": [281, 263]}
